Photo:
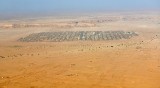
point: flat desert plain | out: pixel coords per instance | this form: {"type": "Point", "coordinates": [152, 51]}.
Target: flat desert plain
{"type": "Point", "coordinates": [114, 63]}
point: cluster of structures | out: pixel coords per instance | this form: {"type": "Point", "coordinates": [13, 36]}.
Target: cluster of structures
{"type": "Point", "coordinates": [78, 36]}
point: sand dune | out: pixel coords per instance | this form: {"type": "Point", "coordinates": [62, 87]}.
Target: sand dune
{"type": "Point", "coordinates": [122, 63]}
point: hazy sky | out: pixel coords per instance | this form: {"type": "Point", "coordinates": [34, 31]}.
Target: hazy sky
{"type": "Point", "coordinates": [23, 7]}
{"type": "Point", "coordinates": [73, 5]}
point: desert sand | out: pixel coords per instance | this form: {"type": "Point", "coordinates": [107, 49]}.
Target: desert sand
{"type": "Point", "coordinates": [124, 63]}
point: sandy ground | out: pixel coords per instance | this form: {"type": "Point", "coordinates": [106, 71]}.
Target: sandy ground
{"type": "Point", "coordinates": [133, 63]}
